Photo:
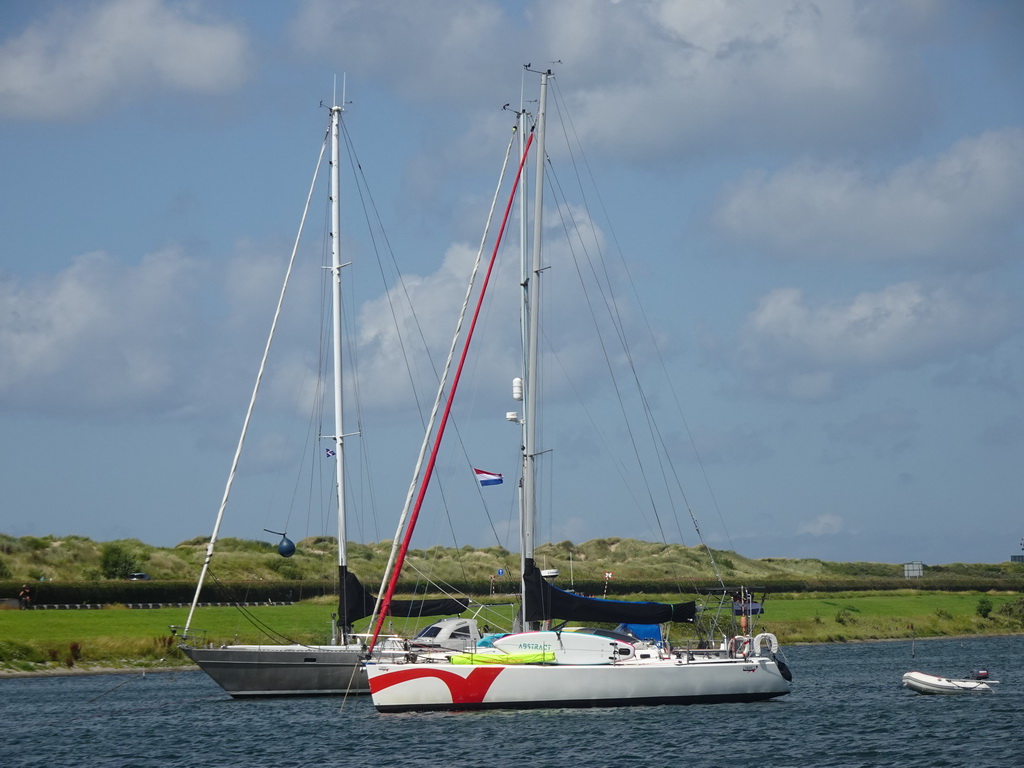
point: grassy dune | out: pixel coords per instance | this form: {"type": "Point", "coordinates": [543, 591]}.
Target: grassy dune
{"type": "Point", "coordinates": [76, 558]}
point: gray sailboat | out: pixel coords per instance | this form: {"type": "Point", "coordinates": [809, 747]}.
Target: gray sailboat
{"type": "Point", "coordinates": [292, 669]}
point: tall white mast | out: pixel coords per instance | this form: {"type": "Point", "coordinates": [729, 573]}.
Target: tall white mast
{"type": "Point", "coordinates": [531, 310]}
{"type": "Point", "coordinates": [339, 413]}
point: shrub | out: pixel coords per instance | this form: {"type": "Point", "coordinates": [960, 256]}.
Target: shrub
{"type": "Point", "coordinates": [285, 569]}
{"type": "Point", "coordinates": [845, 616]}
{"type": "Point", "coordinates": [1013, 609]}
{"type": "Point", "coordinates": [116, 562]}
{"type": "Point", "coordinates": [984, 607]}
{"type": "Point", "coordinates": [5, 571]}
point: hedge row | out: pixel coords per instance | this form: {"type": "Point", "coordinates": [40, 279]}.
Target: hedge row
{"type": "Point", "coordinates": [111, 592]}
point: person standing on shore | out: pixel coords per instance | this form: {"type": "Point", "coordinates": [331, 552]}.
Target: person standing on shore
{"type": "Point", "coordinates": [25, 597]}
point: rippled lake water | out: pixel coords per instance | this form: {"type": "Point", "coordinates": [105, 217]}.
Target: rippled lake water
{"type": "Point", "coordinates": [847, 709]}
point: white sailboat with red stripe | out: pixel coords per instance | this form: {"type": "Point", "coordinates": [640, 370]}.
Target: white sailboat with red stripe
{"type": "Point", "coordinates": [563, 666]}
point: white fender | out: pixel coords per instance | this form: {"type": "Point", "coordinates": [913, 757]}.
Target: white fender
{"type": "Point", "coordinates": [768, 637]}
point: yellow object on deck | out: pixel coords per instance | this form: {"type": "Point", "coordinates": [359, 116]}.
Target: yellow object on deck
{"type": "Point", "coordinates": [538, 657]}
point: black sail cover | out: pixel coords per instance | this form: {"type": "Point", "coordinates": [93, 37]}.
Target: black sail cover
{"type": "Point", "coordinates": [545, 601]}
{"type": "Point", "coordinates": [356, 602]}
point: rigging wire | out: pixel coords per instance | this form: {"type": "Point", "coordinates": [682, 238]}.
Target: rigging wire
{"type": "Point", "coordinates": [650, 332]}
{"type": "Point", "coordinates": [249, 616]}
{"type": "Point", "coordinates": [616, 320]}
{"type": "Point", "coordinates": [374, 224]}
{"type": "Point", "coordinates": [252, 401]}
{"type": "Point", "coordinates": [408, 521]}
{"type": "Point", "coordinates": [612, 306]}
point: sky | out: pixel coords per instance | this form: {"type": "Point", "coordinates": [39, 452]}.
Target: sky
{"type": "Point", "coordinates": [818, 205]}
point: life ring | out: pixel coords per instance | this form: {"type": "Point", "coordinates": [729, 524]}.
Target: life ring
{"type": "Point", "coordinates": [766, 637]}
{"type": "Point", "coordinates": [739, 647]}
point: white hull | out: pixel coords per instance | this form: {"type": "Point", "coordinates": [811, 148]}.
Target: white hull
{"type": "Point", "coordinates": [931, 684]}
{"type": "Point", "coordinates": [445, 686]}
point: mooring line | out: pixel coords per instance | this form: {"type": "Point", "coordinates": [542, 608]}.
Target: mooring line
{"type": "Point", "coordinates": [123, 682]}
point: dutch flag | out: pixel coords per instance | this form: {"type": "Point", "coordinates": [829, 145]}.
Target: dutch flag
{"type": "Point", "coordinates": [487, 478]}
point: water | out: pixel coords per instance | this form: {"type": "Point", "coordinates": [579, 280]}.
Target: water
{"type": "Point", "coordinates": [847, 709]}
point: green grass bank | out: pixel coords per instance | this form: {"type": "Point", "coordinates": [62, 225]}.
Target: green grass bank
{"type": "Point", "coordinates": [809, 600]}
{"type": "Point", "coordinates": [50, 642]}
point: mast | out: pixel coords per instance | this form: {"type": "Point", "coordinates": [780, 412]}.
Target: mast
{"type": "Point", "coordinates": [531, 322]}
{"type": "Point", "coordinates": [339, 413]}
{"type": "Point", "coordinates": [398, 558]}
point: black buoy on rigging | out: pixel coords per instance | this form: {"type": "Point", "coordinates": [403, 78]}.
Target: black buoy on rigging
{"type": "Point", "coordinates": [286, 547]}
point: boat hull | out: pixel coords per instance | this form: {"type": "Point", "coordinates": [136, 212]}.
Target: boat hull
{"type": "Point", "coordinates": [284, 670]}
{"type": "Point", "coordinates": [445, 686]}
{"type": "Point", "coordinates": [932, 684]}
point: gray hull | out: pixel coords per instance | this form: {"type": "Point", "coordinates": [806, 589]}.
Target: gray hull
{"type": "Point", "coordinates": [283, 670]}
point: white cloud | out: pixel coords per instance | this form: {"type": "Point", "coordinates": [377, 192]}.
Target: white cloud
{"type": "Point", "coordinates": [495, 355]}
{"type": "Point", "coordinates": [98, 336]}
{"type": "Point", "coordinates": [83, 56]}
{"type": "Point", "coordinates": [108, 337]}
{"type": "Point", "coordinates": [385, 346]}
{"type": "Point", "coordinates": [746, 73]}
{"type": "Point", "coordinates": [166, 335]}
{"type": "Point", "coordinates": [428, 52]}
{"type": "Point", "coordinates": [962, 207]}
{"type": "Point", "coordinates": [387, 343]}
{"type": "Point", "coordinates": [790, 347]}
{"type": "Point", "coordinates": [822, 525]}
{"type": "Point", "coordinates": [650, 78]}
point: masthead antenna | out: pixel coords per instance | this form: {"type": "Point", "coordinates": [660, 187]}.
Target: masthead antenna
{"type": "Point", "coordinates": [344, 80]}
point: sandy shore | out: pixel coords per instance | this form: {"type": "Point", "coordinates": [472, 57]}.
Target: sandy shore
{"type": "Point", "coordinates": [77, 670]}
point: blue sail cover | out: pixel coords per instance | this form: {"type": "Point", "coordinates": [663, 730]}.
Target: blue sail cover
{"type": "Point", "coordinates": [649, 632]}
{"type": "Point", "coordinates": [545, 601]}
